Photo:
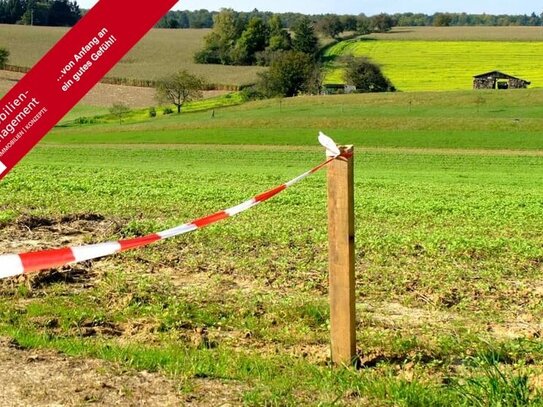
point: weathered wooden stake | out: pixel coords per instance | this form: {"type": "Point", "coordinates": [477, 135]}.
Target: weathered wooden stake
{"type": "Point", "coordinates": [341, 257]}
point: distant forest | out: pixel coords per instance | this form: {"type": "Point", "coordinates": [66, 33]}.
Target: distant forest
{"type": "Point", "coordinates": [204, 19]}
{"type": "Point", "coordinates": [61, 13]}
{"type": "Point", "coordinates": [67, 13]}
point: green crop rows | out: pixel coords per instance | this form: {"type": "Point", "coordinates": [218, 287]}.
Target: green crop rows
{"type": "Point", "coordinates": [449, 213]}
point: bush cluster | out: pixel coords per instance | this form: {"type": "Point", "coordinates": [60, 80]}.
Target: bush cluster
{"type": "Point", "coordinates": [237, 40]}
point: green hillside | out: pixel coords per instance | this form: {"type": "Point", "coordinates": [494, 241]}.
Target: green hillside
{"type": "Point", "coordinates": [467, 119]}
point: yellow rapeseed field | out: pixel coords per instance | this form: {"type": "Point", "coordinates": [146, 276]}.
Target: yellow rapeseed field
{"type": "Point", "coordinates": [442, 65]}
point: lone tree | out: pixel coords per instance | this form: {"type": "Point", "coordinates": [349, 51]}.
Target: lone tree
{"type": "Point", "coordinates": [4, 55]}
{"type": "Point", "coordinates": [180, 88]}
{"type": "Point", "coordinates": [366, 76]}
{"type": "Point", "coordinates": [119, 109]}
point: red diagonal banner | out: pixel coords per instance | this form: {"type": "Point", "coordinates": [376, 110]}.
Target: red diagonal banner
{"type": "Point", "coordinates": [69, 70]}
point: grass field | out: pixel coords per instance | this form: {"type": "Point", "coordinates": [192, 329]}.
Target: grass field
{"type": "Point", "coordinates": [462, 120]}
{"type": "Point", "coordinates": [449, 209]}
{"type": "Point", "coordinates": [417, 65]}
{"type": "Point", "coordinates": [158, 54]}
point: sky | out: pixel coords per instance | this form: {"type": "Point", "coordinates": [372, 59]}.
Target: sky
{"type": "Point", "coordinates": [368, 7]}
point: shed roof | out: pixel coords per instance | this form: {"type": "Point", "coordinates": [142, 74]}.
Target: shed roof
{"type": "Point", "coordinates": [499, 75]}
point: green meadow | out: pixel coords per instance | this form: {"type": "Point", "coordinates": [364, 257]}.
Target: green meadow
{"type": "Point", "coordinates": [437, 65]}
{"type": "Point", "coordinates": [449, 213]}
{"type": "Point", "coordinates": [459, 120]}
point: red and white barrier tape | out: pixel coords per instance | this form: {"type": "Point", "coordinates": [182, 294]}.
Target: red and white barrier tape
{"type": "Point", "coordinates": [17, 264]}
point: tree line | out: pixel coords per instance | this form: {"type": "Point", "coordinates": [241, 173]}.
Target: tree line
{"type": "Point", "coordinates": [67, 13]}
{"type": "Point", "coordinates": [60, 13]}
{"type": "Point", "coordinates": [237, 40]}
{"type": "Point", "coordinates": [464, 19]}
{"type": "Point", "coordinates": [204, 19]}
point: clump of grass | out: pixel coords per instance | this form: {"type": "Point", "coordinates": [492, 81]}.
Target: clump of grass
{"type": "Point", "coordinates": [496, 384]}
{"type": "Point", "coordinates": [7, 216]}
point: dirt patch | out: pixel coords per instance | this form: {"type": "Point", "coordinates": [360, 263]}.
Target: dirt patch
{"type": "Point", "coordinates": [30, 232]}
{"type": "Point", "coordinates": [215, 393]}
{"type": "Point", "coordinates": [79, 274]}
{"type": "Point", "coordinates": [525, 326]}
{"type": "Point", "coordinates": [8, 80]}
{"type": "Point", "coordinates": [316, 354]}
{"type": "Point", "coordinates": [46, 378]}
{"type": "Point", "coordinates": [394, 314]}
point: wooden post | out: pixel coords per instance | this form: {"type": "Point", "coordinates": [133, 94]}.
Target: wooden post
{"type": "Point", "coordinates": [341, 257]}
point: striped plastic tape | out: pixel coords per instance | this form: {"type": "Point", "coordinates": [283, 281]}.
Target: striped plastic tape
{"type": "Point", "coordinates": [12, 265]}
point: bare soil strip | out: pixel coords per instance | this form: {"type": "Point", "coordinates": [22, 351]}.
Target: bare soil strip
{"type": "Point", "coordinates": [104, 95]}
{"type": "Point", "coordinates": [45, 378]}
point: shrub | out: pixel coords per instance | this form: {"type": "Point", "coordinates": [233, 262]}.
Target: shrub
{"type": "Point", "coordinates": [291, 73]}
{"type": "Point", "coordinates": [251, 93]}
{"type": "Point", "coordinates": [152, 112]}
{"type": "Point", "coordinates": [207, 56]}
{"type": "Point", "coordinates": [167, 110]}
{"type": "Point", "coordinates": [366, 76]}
{"type": "Point", "coordinates": [119, 109]}
{"type": "Point", "coordinates": [85, 120]}
{"type": "Point", "coordinates": [4, 55]}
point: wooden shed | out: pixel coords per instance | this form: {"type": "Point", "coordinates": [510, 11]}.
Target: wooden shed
{"type": "Point", "coordinates": [498, 80]}
{"type": "Point", "coordinates": [337, 88]}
